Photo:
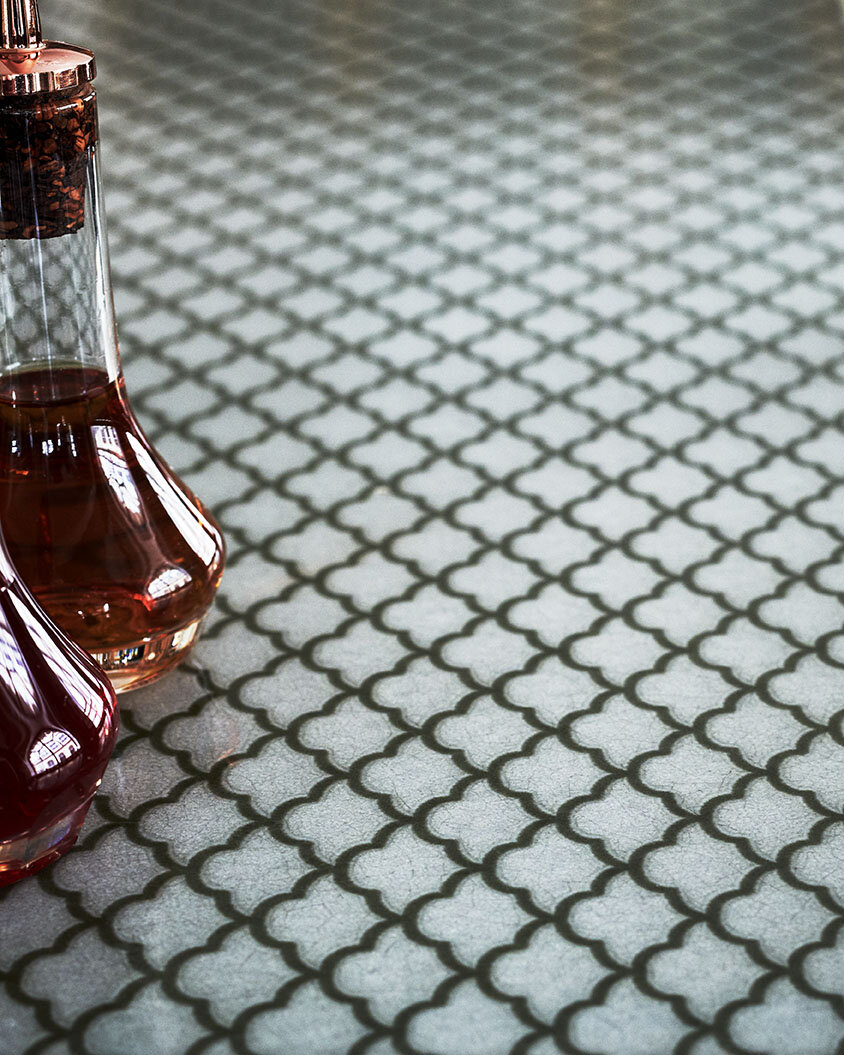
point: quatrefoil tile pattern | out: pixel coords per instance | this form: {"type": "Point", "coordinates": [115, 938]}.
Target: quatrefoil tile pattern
{"type": "Point", "coordinates": [507, 341]}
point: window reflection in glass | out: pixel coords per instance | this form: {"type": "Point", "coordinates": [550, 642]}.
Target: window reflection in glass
{"type": "Point", "coordinates": [83, 691]}
{"type": "Point", "coordinates": [113, 463]}
{"type": "Point", "coordinates": [14, 671]}
{"type": "Point", "coordinates": [168, 581]}
{"type": "Point", "coordinates": [51, 750]}
{"type": "Point", "coordinates": [179, 509]}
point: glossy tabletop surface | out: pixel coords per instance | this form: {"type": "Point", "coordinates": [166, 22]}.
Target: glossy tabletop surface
{"type": "Point", "coordinates": [506, 339]}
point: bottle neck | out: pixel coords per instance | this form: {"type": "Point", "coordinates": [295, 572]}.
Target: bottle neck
{"type": "Point", "coordinates": [56, 309]}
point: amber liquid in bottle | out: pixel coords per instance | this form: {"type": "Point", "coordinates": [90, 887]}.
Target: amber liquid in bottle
{"type": "Point", "coordinates": [117, 550]}
{"type": "Point", "coordinates": [58, 725]}
{"type": "Point", "coordinates": [120, 554]}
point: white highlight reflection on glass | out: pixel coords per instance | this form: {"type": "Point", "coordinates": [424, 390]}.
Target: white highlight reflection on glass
{"type": "Point", "coordinates": [14, 671]}
{"type": "Point", "coordinates": [113, 463]}
{"type": "Point", "coordinates": [51, 750]}
{"type": "Point", "coordinates": [81, 689]}
{"type": "Point", "coordinates": [180, 511]}
{"type": "Point", "coordinates": [168, 581]}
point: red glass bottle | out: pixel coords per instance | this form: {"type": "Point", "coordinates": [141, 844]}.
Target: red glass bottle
{"type": "Point", "coordinates": [58, 725]}
{"type": "Point", "coordinates": [121, 555]}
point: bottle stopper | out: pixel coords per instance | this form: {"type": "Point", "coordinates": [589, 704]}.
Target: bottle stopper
{"type": "Point", "coordinates": [28, 63]}
{"type": "Point", "coordinates": [48, 127]}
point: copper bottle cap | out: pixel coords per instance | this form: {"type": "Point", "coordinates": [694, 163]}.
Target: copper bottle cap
{"type": "Point", "coordinates": [30, 64]}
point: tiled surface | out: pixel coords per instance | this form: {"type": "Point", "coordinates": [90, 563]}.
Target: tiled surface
{"type": "Point", "coordinates": [507, 340]}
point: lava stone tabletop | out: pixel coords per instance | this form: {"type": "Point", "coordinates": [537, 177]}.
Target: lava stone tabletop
{"type": "Point", "coordinates": [506, 339]}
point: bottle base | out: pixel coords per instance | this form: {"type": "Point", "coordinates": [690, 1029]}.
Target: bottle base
{"type": "Point", "coordinates": [134, 665]}
{"type": "Point", "coordinates": [28, 854]}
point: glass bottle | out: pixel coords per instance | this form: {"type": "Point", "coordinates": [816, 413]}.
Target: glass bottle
{"type": "Point", "coordinates": [58, 725]}
{"type": "Point", "coordinates": [118, 551]}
